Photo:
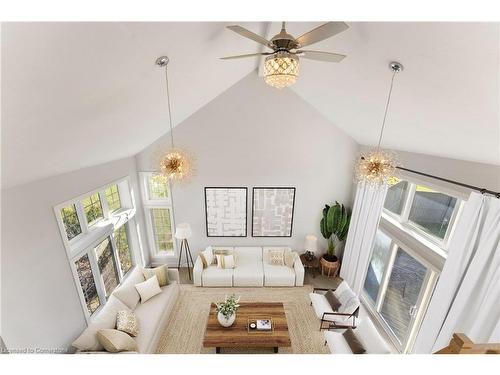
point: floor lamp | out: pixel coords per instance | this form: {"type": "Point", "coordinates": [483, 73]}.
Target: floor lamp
{"type": "Point", "coordinates": [183, 232]}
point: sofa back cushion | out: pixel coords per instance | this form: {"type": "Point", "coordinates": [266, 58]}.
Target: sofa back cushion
{"type": "Point", "coordinates": [248, 254]}
{"type": "Point", "coordinates": [371, 339]}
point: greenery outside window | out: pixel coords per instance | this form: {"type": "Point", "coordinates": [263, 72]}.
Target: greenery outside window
{"type": "Point", "coordinates": [122, 245]}
{"type": "Point", "coordinates": [92, 208]}
{"type": "Point", "coordinates": [113, 198]}
{"type": "Point", "coordinates": [71, 223]}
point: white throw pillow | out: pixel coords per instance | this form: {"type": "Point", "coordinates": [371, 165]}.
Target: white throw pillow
{"type": "Point", "coordinates": [106, 318]}
{"type": "Point", "coordinates": [207, 256]}
{"type": "Point", "coordinates": [225, 261]}
{"type": "Point", "coordinates": [128, 295]}
{"type": "Point", "coordinates": [148, 288]}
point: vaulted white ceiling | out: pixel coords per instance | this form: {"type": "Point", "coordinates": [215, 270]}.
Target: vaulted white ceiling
{"type": "Point", "coordinates": [80, 94]}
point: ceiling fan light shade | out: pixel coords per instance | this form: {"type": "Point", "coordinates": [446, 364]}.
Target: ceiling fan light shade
{"type": "Point", "coordinates": [177, 166]}
{"type": "Point", "coordinates": [281, 69]}
{"type": "Point", "coordinates": [376, 167]}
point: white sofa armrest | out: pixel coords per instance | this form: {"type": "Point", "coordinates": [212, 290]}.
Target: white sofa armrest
{"type": "Point", "coordinates": [173, 274]}
{"type": "Point", "coordinates": [299, 272]}
{"type": "Point", "coordinates": [197, 271]}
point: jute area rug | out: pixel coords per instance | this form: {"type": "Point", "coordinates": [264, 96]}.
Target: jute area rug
{"type": "Point", "coordinates": [186, 328]}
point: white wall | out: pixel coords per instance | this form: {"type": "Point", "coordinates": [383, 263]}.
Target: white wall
{"type": "Point", "coordinates": [255, 135]}
{"type": "Point", "coordinates": [40, 304]}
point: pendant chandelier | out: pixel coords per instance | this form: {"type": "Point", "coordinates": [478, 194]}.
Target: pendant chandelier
{"type": "Point", "coordinates": [177, 165]}
{"type": "Point", "coordinates": [281, 69]}
{"type": "Point", "coordinates": [376, 166]}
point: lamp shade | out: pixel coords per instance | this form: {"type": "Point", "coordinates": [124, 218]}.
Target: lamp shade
{"type": "Point", "coordinates": [311, 243]}
{"type": "Point", "coordinates": [183, 231]}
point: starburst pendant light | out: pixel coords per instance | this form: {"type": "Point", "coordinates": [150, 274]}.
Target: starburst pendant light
{"type": "Point", "coordinates": [177, 165]}
{"type": "Point", "coordinates": [377, 166]}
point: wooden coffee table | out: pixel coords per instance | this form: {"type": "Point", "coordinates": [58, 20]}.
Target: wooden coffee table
{"type": "Point", "coordinates": [238, 335]}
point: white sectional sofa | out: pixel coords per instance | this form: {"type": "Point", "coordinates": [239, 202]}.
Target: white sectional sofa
{"type": "Point", "coordinates": [252, 269]}
{"type": "Point", "coordinates": [152, 315]}
{"type": "Point", "coordinates": [367, 334]}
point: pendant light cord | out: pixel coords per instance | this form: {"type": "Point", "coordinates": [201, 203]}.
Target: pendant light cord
{"type": "Point", "coordinates": [386, 110]}
{"type": "Point", "coordinates": [169, 109]}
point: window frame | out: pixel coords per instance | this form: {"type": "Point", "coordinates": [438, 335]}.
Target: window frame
{"type": "Point", "coordinates": [92, 236]}
{"type": "Point", "coordinates": [110, 211]}
{"type": "Point", "coordinates": [148, 204]}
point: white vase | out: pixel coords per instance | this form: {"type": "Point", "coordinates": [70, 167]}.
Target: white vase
{"type": "Point", "coordinates": [226, 322]}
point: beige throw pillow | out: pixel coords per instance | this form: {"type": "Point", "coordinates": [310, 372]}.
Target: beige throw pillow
{"type": "Point", "coordinates": [126, 321]}
{"type": "Point", "coordinates": [225, 261]}
{"type": "Point", "coordinates": [115, 341]}
{"type": "Point", "coordinates": [207, 257]}
{"type": "Point", "coordinates": [148, 288]}
{"type": "Point", "coordinates": [160, 272]}
{"type": "Point", "coordinates": [276, 257]}
{"type": "Point", "coordinates": [128, 295]}
{"type": "Point", "coordinates": [290, 257]}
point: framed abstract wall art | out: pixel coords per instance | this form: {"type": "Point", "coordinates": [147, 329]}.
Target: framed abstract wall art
{"type": "Point", "coordinates": [226, 211]}
{"type": "Point", "coordinates": [272, 211]}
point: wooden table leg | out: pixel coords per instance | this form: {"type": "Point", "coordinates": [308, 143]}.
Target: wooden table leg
{"type": "Point", "coordinates": [217, 350]}
{"type": "Point", "coordinates": [276, 349]}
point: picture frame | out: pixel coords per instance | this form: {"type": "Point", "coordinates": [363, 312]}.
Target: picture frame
{"type": "Point", "coordinates": [226, 211]}
{"type": "Point", "coordinates": [272, 211]}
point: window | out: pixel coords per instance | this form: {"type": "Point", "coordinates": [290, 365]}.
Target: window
{"type": "Point", "coordinates": [71, 223]}
{"type": "Point", "coordinates": [107, 266]}
{"type": "Point", "coordinates": [432, 211]}
{"type": "Point", "coordinates": [377, 265]}
{"type": "Point", "coordinates": [103, 254]}
{"type": "Point", "coordinates": [92, 208]}
{"type": "Point", "coordinates": [162, 227]}
{"type": "Point", "coordinates": [113, 198]}
{"type": "Point", "coordinates": [421, 209]}
{"type": "Point", "coordinates": [124, 254]}
{"type": "Point", "coordinates": [86, 278]}
{"type": "Point", "coordinates": [396, 194]}
{"type": "Point", "coordinates": [158, 187]}
{"type": "Point", "coordinates": [158, 210]}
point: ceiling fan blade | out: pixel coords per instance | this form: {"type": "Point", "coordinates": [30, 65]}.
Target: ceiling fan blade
{"type": "Point", "coordinates": [248, 55]}
{"type": "Point", "coordinates": [321, 32]}
{"type": "Point", "coordinates": [249, 34]}
{"type": "Point", "coordinates": [321, 56]}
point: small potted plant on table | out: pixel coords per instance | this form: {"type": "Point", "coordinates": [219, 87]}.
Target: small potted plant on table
{"type": "Point", "coordinates": [226, 311]}
{"type": "Point", "coordinates": [334, 226]}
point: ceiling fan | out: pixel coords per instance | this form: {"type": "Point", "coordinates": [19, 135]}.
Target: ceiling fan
{"type": "Point", "coordinates": [281, 67]}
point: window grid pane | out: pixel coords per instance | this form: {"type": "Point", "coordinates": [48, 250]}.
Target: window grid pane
{"type": "Point", "coordinates": [377, 265]}
{"type": "Point", "coordinates": [92, 208]}
{"type": "Point", "coordinates": [403, 290]}
{"type": "Point", "coordinates": [113, 198]}
{"type": "Point", "coordinates": [431, 211]}
{"type": "Point", "coordinates": [158, 187]}
{"type": "Point", "coordinates": [162, 228]}
{"type": "Point", "coordinates": [107, 266]}
{"type": "Point", "coordinates": [87, 282]}
{"type": "Point", "coordinates": [124, 254]}
{"type": "Point", "coordinates": [71, 222]}
{"type": "Point", "coordinates": [396, 195]}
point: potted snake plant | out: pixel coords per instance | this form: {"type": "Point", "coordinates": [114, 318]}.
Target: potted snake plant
{"type": "Point", "coordinates": [334, 227]}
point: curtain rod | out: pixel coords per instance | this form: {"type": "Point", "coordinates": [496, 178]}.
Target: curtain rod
{"type": "Point", "coordinates": [472, 187]}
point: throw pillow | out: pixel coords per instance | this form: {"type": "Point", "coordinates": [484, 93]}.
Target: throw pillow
{"type": "Point", "coordinates": [290, 257]}
{"type": "Point", "coordinates": [207, 257]}
{"type": "Point", "coordinates": [87, 341]}
{"type": "Point", "coordinates": [160, 272]}
{"type": "Point", "coordinates": [148, 289]}
{"type": "Point", "coordinates": [332, 300]}
{"type": "Point", "coordinates": [126, 321]}
{"type": "Point", "coordinates": [225, 261]}
{"type": "Point", "coordinates": [115, 341]}
{"type": "Point", "coordinates": [276, 257]}
{"type": "Point", "coordinates": [128, 295]}
{"type": "Point", "coordinates": [353, 342]}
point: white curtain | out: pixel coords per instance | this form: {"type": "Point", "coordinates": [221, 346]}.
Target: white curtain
{"type": "Point", "coordinates": [467, 296]}
{"type": "Point", "coordinates": [364, 222]}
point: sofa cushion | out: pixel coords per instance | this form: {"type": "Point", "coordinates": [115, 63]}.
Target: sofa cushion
{"type": "Point", "coordinates": [321, 305]}
{"type": "Point", "coordinates": [290, 257]}
{"type": "Point", "coordinates": [248, 274]}
{"type": "Point", "coordinates": [106, 318]}
{"type": "Point", "coordinates": [148, 289]}
{"type": "Point", "coordinates": [332, 300]}
{"type": "Point", "coordinates": [278, 275]}
{"type": "Point", "coordinates": [371, 339]}
{"type": "Point", "coordinates": [350, 306]}
{"type": "Point", "coordinates": [248, 253]}
{"type": "Point", "coordinates": [115, 341]}
{"type": "Point", "coordinates": [267, 249]}
{"type": "Point", "coordinates": [150, 315]}
{"type": "Point", "coordinates": [225, 261]}
{"type": "Point", "coordinates": [207, 257]}
{"type": "Point", "coordinates": [353, 341]}
{"type": "Point", "coordinates": [128, 295]}
{"type": "Point", "coordinates": [336, 342]}
{"type": "Point", "coordinates": [127, 322]}
{"type": "Point", "coordinates": [161, 273]}
{"type": "Point", "coordinates": [340, 289]}
{"type": "Point", "coordinates": [213, 276]}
